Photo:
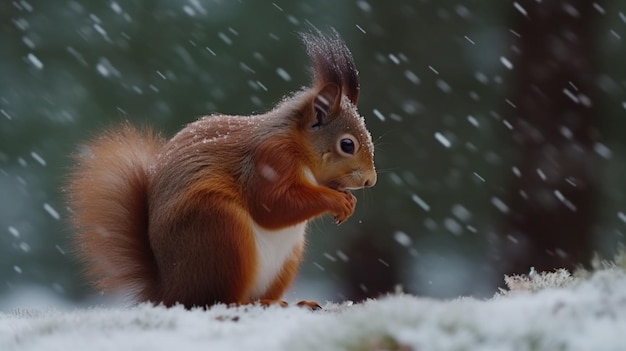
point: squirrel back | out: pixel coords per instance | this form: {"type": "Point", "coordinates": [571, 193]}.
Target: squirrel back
{"type": "Point", "coordinates": [218, 213]}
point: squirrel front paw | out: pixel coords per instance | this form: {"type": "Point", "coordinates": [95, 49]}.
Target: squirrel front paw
{"type": "Point", "coordinates": [346, 207]}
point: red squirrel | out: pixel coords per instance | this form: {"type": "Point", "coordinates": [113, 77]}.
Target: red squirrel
{"type": "Point", "coordinates": [218, 213]}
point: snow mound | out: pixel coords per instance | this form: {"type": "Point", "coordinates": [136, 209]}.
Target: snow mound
{"type": "Point", "coordinates": [574, 314]}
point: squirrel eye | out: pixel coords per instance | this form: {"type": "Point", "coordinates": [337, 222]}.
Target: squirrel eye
{"type": "Point", "coordinates": [347, 146]}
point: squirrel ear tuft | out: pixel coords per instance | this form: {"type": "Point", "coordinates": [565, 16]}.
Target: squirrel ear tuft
{"type": "Point", "coordinates": [332, 62]}
{"type": "Point", "coordinates": [327, 101]}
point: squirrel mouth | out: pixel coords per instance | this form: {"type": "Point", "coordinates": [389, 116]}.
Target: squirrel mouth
{"type": "Point", "coordinates": [337, 186]}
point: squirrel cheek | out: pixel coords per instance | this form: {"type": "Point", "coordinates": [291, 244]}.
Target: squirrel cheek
{"type": "Point", "coordinates": [326, 157]}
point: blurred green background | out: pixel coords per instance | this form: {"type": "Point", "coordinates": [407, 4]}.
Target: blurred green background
{"type": "Point", "coordinates": [438, 81]}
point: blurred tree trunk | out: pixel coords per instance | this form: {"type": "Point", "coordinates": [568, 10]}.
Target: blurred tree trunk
{"type": "Point", "coordinates": [549, 220]}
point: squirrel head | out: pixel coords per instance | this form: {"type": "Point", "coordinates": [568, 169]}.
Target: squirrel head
{"type": "Point", "coordinates": [343, 152]}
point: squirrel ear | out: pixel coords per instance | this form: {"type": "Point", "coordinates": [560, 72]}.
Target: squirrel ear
{"type": "Point", "coordinates": [326, 102]}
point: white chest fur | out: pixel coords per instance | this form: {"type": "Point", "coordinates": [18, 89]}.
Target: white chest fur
{"type": "Point", "coordinates": [274, 247]}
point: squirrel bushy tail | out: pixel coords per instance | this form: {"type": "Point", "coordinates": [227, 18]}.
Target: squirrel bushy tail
{"type": "Point", "coordinates": [108, 192]}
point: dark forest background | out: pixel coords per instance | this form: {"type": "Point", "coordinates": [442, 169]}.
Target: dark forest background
{"type": "Point", "coordinates": [500, 127]}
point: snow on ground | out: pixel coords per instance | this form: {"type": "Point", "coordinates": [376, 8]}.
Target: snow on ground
{"type": "Point", "coordinates": [570, 314]}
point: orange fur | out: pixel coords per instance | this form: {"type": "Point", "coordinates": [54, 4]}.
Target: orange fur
{"type": "Point", "coordinates": [189, 220]}
{"type": "Point", "coordinates": [108, 199]}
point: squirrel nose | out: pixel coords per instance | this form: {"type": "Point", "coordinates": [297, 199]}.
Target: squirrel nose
{"type": "Point", "coordinates": [370, 180]}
